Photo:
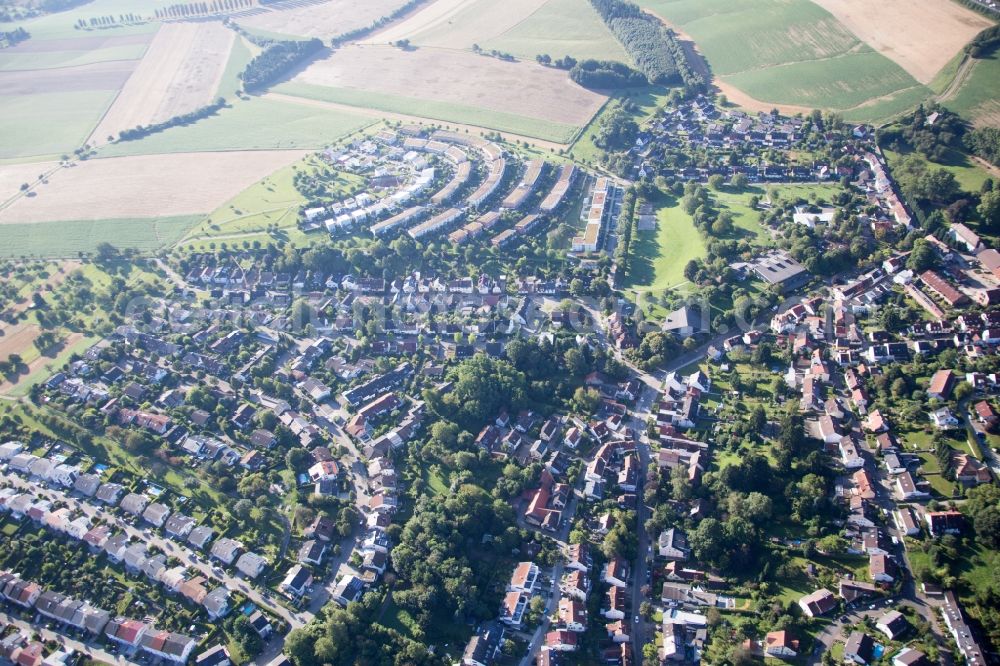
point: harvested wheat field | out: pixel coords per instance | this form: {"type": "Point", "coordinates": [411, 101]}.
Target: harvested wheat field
{"type": "Point", "coordinates": [920, 36]}
{"type": "Point", "coordinates": [458, 24]}
{"type": "Point", "coordinates": [145, 186]}
{"type": "Point", "coordinates": [323, 19]}
{"type": "Point", "coordinates": [467, 79]}
{"type": "Point", "coordinates": [179, 73]}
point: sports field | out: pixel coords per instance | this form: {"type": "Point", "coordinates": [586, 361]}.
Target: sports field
{"type": "Point", "coordinates": [796, 53]}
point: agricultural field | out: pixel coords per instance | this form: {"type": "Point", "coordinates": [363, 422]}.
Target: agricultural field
{"type": "Point", "coordinates": [54, 53]}
{"type": "Point", "coordinates": [56, 86]}
{"type": "Point", "coordinates": [255, 124]}
{"type": "Point", "coordinates": [69, 238]}
{"type": "Point", "coordinates": [180, 72]}
{"type": "Point", "coordinates": [142, 186]}
{"type": "Point", "coordinates": [317, 18]}
{"type": "Point", "coordinates": [659, 257]}
{"type": "Point", "coordinates": [451, 86]}
{"type": "Point", "coordinates": [976, 98]}
{"type": "Point", "coordinates": [524, 28]}
{"type": "Point", "coordinates": [559, 28]}
{"type": "Point", "coordinates": [797, 55]}
{"type": "Point", "coordinates": [920, 37]}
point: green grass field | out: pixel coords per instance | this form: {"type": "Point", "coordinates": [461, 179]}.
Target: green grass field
{"type": "Point", "coordinates": [793, 52]}
{"type": "Point", "coordinates": [66, 239]}
{"type": "Point", "coordinates": [257, 124]}
{"type": "Point", "coordinates": [49, 124]}
{"type": "Point", "coordinates": [559, 28]}
{"type": "Point", "coordinates": [442, 111]}
{"type": "Point", "coordinates": [659, 256]}
{"type": "Point", "coordinates": [977, 99]}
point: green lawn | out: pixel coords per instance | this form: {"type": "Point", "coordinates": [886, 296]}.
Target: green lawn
{"type": "Point", "coordinates": [49, 124]}
{"type": "Point", "coordinates": [559, 28]}
{"type": "Point", "coordinates": [535, 128]}
{"type": "Point", "coordinates": [792, 52]}
{"type": "Point", "coordinates": [659, 257]}
{"type": "Point", "coordinates": [67, 238]}
{"type": "Point", "coordinates": [257, 124]}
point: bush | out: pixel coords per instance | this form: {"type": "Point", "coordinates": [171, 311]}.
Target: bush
{"type": "Point", "coordinates": [606, 74]}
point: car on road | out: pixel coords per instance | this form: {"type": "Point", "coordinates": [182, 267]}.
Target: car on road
{"type": "Point", "coordinates": [637, 619]}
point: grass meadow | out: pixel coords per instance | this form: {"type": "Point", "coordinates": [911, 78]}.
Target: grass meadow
{"type": "Point", "coordinates": [435, 110]}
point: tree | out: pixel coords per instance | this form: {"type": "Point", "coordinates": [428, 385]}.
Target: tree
{"type": "Point", "coordinates": [989, 208]}
{"type": "Point", "coordinates": [921, 257]}
{"type": "Point", "coordinates": [707, 541]}
{"type": "Point", "coordinates": [739, 181]}
{"type": "Point", "coordinates": [586, 400]}
{"type": "Point", "coordinates": [716, 181]}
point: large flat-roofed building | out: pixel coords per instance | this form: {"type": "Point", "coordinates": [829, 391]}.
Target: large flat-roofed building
{"type": "Point", "coordinates": [778, 268]}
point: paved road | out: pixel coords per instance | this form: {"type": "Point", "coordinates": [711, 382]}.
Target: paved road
{"type": "Point", "coordinates": [562, 539]}
{"type": "Point", "coordinates": [641, 631]}
{"type": "Point", "coordinates": [94, 651]}
{"type": "Point", "coordinates": [169, 547]}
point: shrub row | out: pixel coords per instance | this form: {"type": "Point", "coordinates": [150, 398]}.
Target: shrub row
{"type": "Point", "coordinates": [275, 60]}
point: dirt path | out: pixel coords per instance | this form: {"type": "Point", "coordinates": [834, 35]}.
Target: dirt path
{"type": "Point", "coordinates": [986, 166]}
{"type": "Point", "coordinates": [961, 75]}
{"type": "Point", "coordinates": [388, 115]}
